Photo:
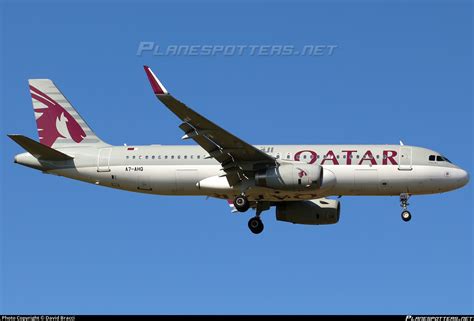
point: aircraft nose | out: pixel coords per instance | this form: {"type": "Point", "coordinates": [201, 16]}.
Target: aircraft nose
{"type": "Point", "coordinates": [465, 177]}
{"type": "Point", "coordinates": [462, 177]}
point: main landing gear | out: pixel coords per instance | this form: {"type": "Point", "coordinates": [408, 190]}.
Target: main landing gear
{"type": "Point", "coordinates": [406, 215]}
{"type": "Point", "coordinates": [242, 204]}
{"type": "Point", "coordinates": [256, 224]}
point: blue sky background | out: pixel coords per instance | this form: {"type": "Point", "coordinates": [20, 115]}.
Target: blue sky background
{"type": "Point", "coordinates": [402, 70]}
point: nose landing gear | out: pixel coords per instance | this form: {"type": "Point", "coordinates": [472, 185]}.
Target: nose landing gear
{"type": "Point", "coordinates": [406, 215]}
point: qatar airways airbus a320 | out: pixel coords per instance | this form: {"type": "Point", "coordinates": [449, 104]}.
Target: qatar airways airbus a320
{"type": "Point", "coordinates": [295, 179]}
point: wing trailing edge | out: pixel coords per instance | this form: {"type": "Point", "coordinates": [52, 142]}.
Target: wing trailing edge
{"type": "Point", "coordinates": [229, 150]}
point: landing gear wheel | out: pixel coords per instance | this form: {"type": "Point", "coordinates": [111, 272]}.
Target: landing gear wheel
{"type": "Point", "coordinates": [406, 216]}
{"type": "Point", "coordinates": [256, 225]}
{"type": "Point", "coordinates": [241, 203]}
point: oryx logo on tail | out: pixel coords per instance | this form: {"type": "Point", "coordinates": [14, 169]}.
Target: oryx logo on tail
{"type": "Point", "coordinates": [54, 121]}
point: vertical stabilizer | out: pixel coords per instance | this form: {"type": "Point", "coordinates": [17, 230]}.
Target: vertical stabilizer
{"type": "Point", "coordinates": [59, 124]}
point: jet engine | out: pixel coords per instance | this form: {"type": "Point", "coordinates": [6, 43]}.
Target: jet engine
{"type": "Point", "coordinates": [313, 212]}
{"type": "Point", "coordinates": [290, 176]}
{"type": "Point", "coordinates": [295, 176]}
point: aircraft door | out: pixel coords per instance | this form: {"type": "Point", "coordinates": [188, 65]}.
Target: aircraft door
{"type": "Point", "coordinates": [405, 158]}
{"type": "Point", "coordinates": [103, 160]}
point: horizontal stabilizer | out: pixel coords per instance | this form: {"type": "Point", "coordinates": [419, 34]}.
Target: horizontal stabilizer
{"type": "Point", "coordinates": [39, 150]}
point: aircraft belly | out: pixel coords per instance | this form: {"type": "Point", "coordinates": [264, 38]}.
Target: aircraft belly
{"type": "Point", "coordinates": [388, 180]}
{"type": "Point", "coordinates": [156, 179]}
{"type": "Point", "coordinates": [174, 179]}
{"type": "Point", "coordinates": [385, 180]}
{"type": "Point", "coordinates": [182, 180]}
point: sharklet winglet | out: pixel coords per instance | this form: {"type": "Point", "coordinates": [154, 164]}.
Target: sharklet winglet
{"type": "Point", "coordinates": [155, 83]}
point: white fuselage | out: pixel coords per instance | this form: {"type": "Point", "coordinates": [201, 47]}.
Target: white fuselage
{"type": "Point", "coordinates": [187, 170]}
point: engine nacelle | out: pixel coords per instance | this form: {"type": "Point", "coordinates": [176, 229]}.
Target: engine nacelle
{"type": "Point", "coordinates": [290, 177]}
{"type": "Point", "coordinates": [313, 212]}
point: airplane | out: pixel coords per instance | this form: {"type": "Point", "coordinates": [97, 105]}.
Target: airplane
{"type": "Point", "coordinates": [295, 179]}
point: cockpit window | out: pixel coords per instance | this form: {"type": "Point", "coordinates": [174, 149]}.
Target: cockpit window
{"type": "Point", "coordinates": [442, 159]}
{"type": "Point", "coordinates": [438, 158]}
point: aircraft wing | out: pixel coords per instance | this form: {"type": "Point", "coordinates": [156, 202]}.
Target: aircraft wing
{"type": "Point", "coordinates": [239, 159]}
